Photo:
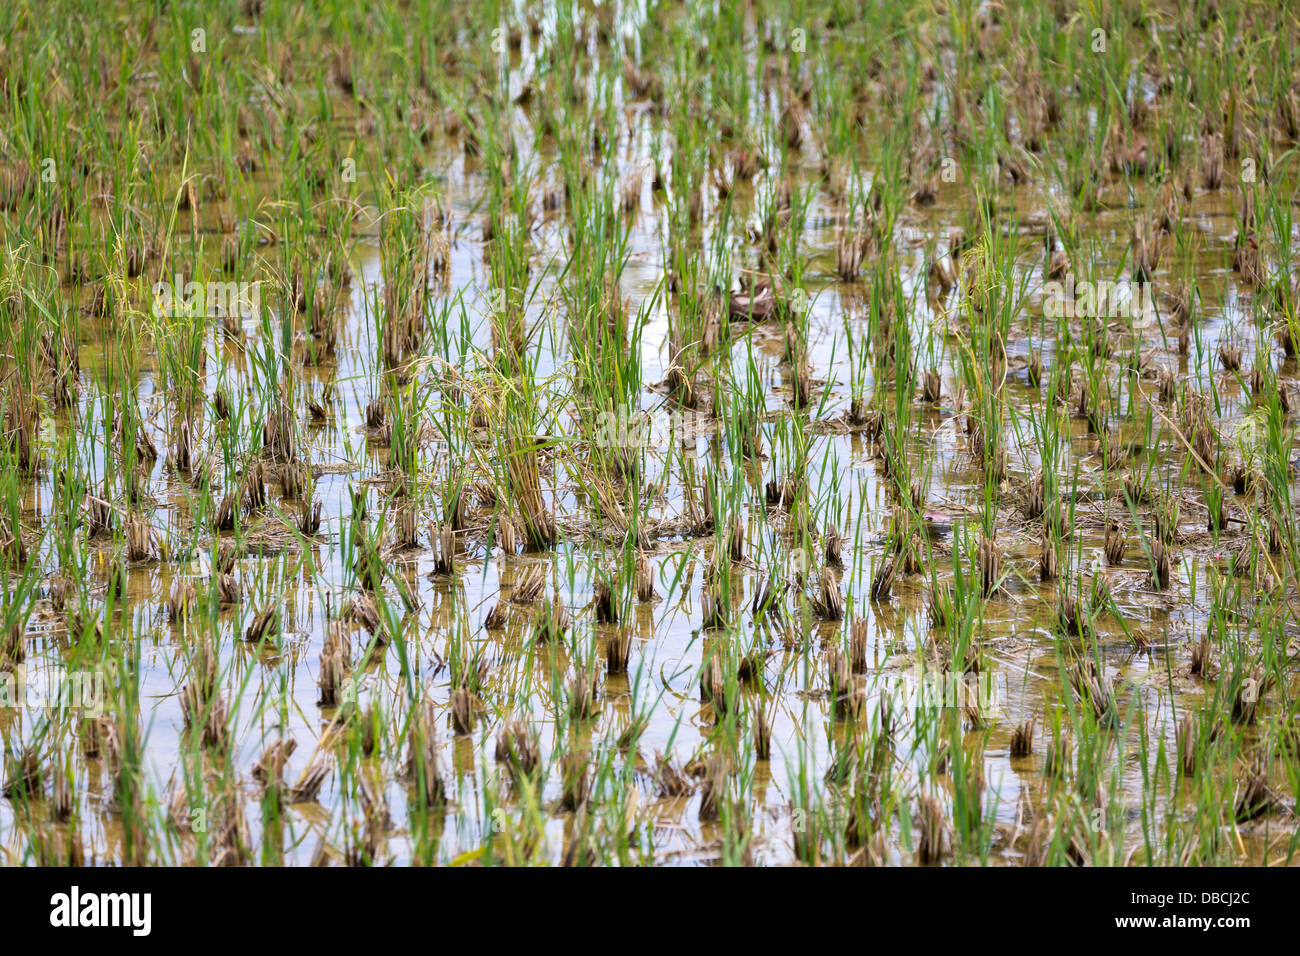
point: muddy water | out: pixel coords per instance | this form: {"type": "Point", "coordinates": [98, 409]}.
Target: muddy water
{"type": "Point", "coordinates": [279, 693]}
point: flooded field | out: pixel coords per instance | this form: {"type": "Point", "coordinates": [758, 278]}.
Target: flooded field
{"type": "Point", "coordinates": [649, 434]}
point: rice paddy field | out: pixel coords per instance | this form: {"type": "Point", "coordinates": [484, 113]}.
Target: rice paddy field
{"type": "Point", "coordinates": [649, 433]}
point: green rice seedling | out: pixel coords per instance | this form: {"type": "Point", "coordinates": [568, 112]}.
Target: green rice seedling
{"type": "Point", "coordinates": [603, 355]}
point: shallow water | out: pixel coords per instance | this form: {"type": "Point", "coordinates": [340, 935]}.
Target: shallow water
{"type": "Point", "coordinates": [272, 690]}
